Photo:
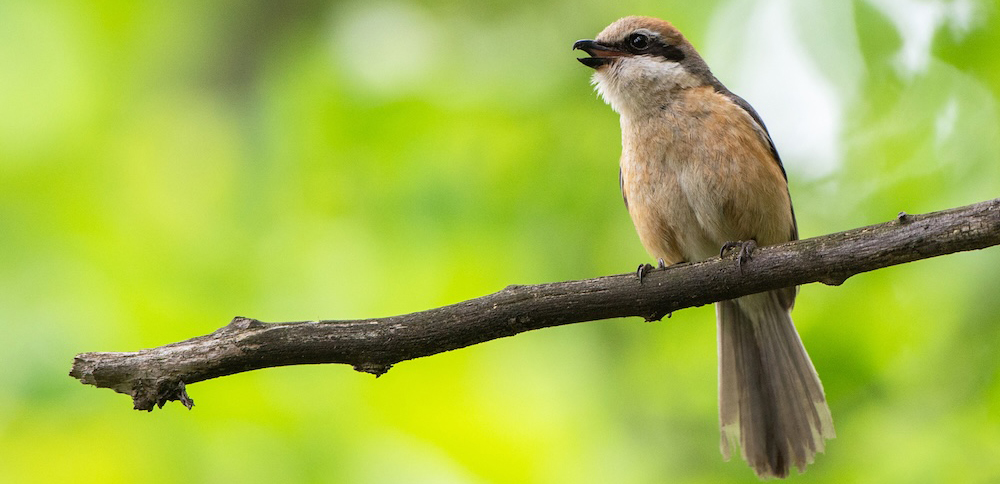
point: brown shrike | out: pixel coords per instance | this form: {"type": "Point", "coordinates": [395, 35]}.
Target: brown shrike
{"type": "Point", "coordinates": [700, 174]}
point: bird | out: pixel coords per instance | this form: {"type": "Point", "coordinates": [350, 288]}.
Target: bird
{"type": "Point", "coordinates": [700, 176]}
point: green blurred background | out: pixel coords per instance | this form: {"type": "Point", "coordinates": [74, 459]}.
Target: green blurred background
{"type": "Point", "coordinates": [165, 166]}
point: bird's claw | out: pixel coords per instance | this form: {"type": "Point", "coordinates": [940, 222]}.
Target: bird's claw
{"type": "Point", "coordinates": [746, 251]}
{"type": "Point", "coordinates": [645, 269]}
{"type": "Point", "coordinates": [642, 271]}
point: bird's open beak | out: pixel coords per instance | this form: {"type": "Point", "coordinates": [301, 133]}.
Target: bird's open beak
{"type": "Point", "coordinates": [600, 54]}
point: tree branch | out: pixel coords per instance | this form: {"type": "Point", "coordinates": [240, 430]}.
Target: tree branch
{"type": "Point", "coordinates": [157, 375]}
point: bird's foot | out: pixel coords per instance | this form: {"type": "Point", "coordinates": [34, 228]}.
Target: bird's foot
{"type": "Point", "coordinates": [746, 251]}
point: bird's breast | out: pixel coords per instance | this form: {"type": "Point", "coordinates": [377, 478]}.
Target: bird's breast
{"type": "Point", "coordinates": [654, 181]}
{"type": "Point", "coordinates": [698, 174]}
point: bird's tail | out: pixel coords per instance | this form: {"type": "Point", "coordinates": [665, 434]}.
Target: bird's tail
{"type": "Point", "coordinates": [771, 401]}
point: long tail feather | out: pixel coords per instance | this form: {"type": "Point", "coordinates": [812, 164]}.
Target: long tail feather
{"type": "Point", "coordinates": [771, 402]}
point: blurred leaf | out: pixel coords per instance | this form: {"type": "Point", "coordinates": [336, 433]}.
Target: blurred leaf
{"type": "Point", "coordinates": [167, 166]}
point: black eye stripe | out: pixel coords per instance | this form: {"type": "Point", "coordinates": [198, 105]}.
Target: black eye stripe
{"type": "Point", "coordinates": [670, 52]}
{"type": "Point", "coordinates": [643, 44]}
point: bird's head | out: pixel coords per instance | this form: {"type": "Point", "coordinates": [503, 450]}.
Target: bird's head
{"type": "Point", "coordinates": [640, 62]}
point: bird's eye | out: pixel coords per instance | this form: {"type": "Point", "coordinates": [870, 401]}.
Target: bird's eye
{"type": "Point", "coordinates": [638, 41]}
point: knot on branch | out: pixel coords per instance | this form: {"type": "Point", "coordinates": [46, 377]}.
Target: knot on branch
{"type": "Point", "coordinates": [833, 279]}
{"type": "Point", "coordinates": [657, 316]}
{"type": "Point", "coordinates": [239, 323]}
{"type": "Point", "coordinates": [377, 369]}
{"type": "Point", "coordinates": [146, 394]}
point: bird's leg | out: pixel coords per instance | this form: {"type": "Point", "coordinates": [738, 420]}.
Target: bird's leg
{"type": "Point", "coordinates": [746, 250]}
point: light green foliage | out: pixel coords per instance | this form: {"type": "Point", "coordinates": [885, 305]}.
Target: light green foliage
{"type": "Point", "coordinates": [165, 166]}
